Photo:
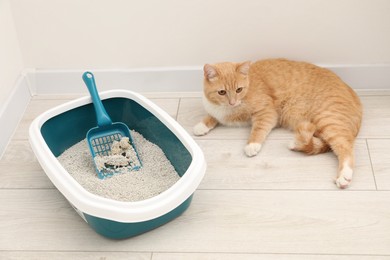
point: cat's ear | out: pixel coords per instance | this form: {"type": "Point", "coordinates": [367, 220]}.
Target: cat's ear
{"type": "Point", "coordinates": [243, 68]}
{"type": "Point", "coordinates": [210, 72]}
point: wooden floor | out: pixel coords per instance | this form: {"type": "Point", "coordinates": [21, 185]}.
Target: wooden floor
{"type": "Point", "coordinates": [278, 205]}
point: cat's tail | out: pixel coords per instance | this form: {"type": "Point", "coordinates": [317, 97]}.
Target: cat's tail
{"type": "Point", "coordinates": [306, 141]}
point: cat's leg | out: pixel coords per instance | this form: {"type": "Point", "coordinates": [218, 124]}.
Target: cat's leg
{"type": "Point", "coordinates": [262, 124]}
{"type": "Point", "coordinates": [205, 125]}
{"type": "Point", "coordinates": [343, 147]}
{"type": "Point", "coordinates": [345, 155]}
{"type": "Point", "coordinates": [305, 140]}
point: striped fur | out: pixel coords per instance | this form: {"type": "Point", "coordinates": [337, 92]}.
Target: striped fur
{"type": "Point", "coordinates": [316, 104]}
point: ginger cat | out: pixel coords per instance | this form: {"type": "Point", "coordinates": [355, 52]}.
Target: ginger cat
{"type": "Point", "coordinates": [315, 103]}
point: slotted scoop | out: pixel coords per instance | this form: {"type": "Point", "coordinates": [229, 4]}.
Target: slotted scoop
{"type": "Point", "coordinates": [101, 138]}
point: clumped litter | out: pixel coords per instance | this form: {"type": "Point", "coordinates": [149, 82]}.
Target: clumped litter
{"type": "Point", "coordinates": [121, 158]}
{"type": "Point", "coordinates": [156, 175]}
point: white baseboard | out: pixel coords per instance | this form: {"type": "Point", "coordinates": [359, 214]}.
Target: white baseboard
{"type": "Point", "coordinates": [183, 80]}
{"type": "Point", "coordinates": [364, 77]}
{"type": "Point", "coordinates": [11, 112]}
{"type": "Point", "coordinates": [188, 79]}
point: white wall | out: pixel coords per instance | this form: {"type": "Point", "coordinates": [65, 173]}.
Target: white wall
{"type": "Point", "coordinates": [127, 34]}
{"type": "Point", "coordinates": [10, 56]}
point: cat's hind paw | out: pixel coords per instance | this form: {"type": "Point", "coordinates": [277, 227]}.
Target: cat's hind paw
{"type": "Point", "coordinates": [201, 129]}
{"type": "Point", "coordinates": [345, 178]}
{"type": "Point", "coordinates": [342, 182]}
{"type": "Point", "coordinates": [252, 149]}
{"type": "Point", "coordinates": [292, 145]}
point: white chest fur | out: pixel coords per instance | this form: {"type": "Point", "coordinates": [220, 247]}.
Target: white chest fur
{"type": "Point", "coordinates": [222, 113]}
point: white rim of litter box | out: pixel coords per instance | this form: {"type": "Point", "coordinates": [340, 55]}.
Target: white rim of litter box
{"type": "Point", "coordinates": [97, 206]}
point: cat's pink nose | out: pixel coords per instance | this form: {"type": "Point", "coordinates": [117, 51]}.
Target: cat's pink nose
{"type": "Point", "coordinates": [234, 103]}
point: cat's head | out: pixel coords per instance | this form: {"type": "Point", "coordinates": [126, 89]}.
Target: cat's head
{"type": "Point", "coordinates": [226, 83]}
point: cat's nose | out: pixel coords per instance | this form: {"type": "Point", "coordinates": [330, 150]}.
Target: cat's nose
{"type": "Point", "coordinates": [233, 102]}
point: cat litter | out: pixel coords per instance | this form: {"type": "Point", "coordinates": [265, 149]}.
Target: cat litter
{"type": "Point", "coordinates": [122, 158]}
{"type": "Point", "coordinates": [156, 175]}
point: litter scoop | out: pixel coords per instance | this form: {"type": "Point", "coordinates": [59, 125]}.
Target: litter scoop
{"type": "Point", "coordinates": [111, 144]}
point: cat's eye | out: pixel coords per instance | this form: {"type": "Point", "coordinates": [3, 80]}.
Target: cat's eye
{"type": "Point", "coordinates": [238, 90]}
{"type": "Point", "coordinates": [222, 92]}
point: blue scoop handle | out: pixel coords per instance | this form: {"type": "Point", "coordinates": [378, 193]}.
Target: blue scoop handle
{"type": "Point", "coordinates": [103, 119]}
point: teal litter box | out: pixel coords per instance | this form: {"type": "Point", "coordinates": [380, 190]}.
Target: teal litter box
{"type": "Point", "coordinates": [58, 129]}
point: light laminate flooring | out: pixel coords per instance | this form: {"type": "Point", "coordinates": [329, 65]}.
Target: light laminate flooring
{"type": "Point", "coordinates": [277, 205]}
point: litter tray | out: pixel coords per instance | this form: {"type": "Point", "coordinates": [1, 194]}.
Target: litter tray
{"type": "Point", "coordinates": [61, 127]}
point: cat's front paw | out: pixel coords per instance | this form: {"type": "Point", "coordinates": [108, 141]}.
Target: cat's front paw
{"type": "Point", "coordinates": [252, 149]}
{"type": "Point", "coordinates": [201, 129]}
